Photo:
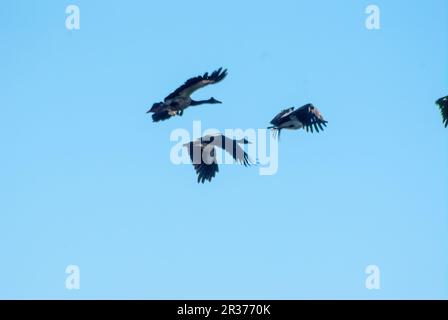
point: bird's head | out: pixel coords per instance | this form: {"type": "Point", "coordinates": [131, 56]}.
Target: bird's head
{"type": "Point", "coordinates": [155, 107]}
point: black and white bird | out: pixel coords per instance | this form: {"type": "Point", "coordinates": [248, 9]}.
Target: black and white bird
{"type": "Point", "coordinates": [307, 117]}
{"type": "Point", "coordinates": [202, 153]}
{"type": "Point", "coordinates": [443, 105]}
{"type": "Point", "coordinates": [180, 99]}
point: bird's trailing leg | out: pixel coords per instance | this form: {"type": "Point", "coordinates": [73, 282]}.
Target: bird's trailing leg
{"type": "Point", "coordinates": [209, 101]}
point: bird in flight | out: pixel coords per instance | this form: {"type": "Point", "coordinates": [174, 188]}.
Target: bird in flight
{"type": "Point", "coordinates": [180, 99]}
{"type": "Point", "coordinates": [307, 117]}
{"type": "Point", "coordinates": [443, 105]}
{"type": "Point", "coordinates": [202, 153]}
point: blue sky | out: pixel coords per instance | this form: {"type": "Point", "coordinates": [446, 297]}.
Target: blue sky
{"type": "Point", "coordinates": [86, 177]}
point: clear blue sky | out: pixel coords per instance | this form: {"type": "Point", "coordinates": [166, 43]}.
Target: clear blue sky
{"type": "Point", "coordinates": [86, 178]}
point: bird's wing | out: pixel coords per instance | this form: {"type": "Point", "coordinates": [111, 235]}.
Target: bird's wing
{"type": "Point", "coordinates": [233, 148]}
{"type": "Point", "coordinates": [443, 105]}
{"type": "Point", "coordinates": [282, 114]}
{"type": "Point", "coordinates": [310, 117]}
{"type": "Point", "coordinates": [203, 158]}
{"type": "Point", "coordinates": [193, 84]}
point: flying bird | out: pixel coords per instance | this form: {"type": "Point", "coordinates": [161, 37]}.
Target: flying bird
{"type": "Point", "coordinates": [307, 117]}
{"type": "Point", "coordinates": [180, 99]}
{"type": "Point", "coordinates": [202, 153]}
{"type": "Point", "coordinates": [443, 105]}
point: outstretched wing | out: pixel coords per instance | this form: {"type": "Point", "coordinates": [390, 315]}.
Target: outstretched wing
{"type": "Point", "coordinates": [443, 105]}
{"type": "Point", "coordinates": [310, 117]}
{"type": "Point", "coordinates": [204, 160]}
{"type": "Point", "coordinates": [233, 148]}
{"type": "Point", "coordinates": [282, 114]}
{"type": "Point", "coordinates": [196, 83]}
